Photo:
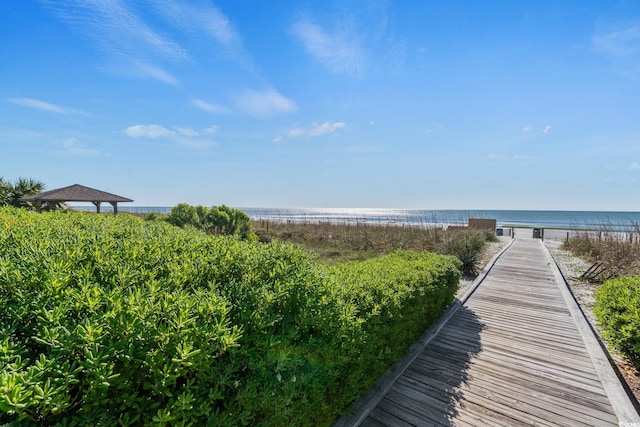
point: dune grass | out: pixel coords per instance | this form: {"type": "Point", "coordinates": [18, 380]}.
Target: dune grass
{"type": "Point", "coordinates": [613, 254]}
{"type": "Point", "coordinates": [334, 243]}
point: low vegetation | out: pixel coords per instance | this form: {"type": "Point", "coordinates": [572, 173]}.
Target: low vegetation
{"type": "Point", "coordinates": [335, 243]}
{"type": "Point", "coordinates": [618, 311]}
{"type": "Point", "coordinates": [221, 220]}
{"type": "Point", "coordinates": [112, 320]}
{"type": "Point", "coordinates": [615, 259]}
{"type": "Point", "coordinates": [612, 254]}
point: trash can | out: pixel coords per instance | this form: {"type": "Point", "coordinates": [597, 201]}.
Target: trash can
{"type": "Point", "coordinates": [537, 233]}
{"type": "Point", "coordinates": [499, 231]}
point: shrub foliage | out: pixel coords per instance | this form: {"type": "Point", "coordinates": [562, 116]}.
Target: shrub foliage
{"type": "Point", "coordinates": [216, 220]}
{"type": "Point", "coordinates": [111, 320]}
{"type": "Point", "coordinates": [617, 308]}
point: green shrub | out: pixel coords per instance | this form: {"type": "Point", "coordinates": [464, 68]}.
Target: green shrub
{"type": "Point", "coordinates": [114, 320]}
{"type": "Point", "coordinates": [183, 215]}
{"type": "Point", "coordinates": [221, 220]}
{"type": "Point", "coordinates": [617, 308]}
{"type": "Point", "coordinates": [393, 299]}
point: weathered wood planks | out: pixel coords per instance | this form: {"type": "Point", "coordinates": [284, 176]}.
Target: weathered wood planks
{"type": "Point", "coordinates": [513, 354]}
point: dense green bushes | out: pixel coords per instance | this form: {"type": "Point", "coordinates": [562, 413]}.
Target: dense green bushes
{"type": "Point", "coordinates": [616, 256]}
{"type": "Point", "coordinates": [113, 320]}
{"type": "Point", "coordinates": [618, 311]}
{"type": "Point", "coordinates": [215, 220]}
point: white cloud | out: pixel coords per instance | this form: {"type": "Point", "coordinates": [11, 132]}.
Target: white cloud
{"type": "Point", "coordinates": [38, 105]}
{"type": "Point", "coordinates": [340, 52]}
{"type": "Point", "coordinates": [264, 104]}
{"type": "Point", "coordinates": [187, 132]}
{"type": "Point", "coordinates": [74, 147]}
{"type": "Point", "coordinates": [209, 107]}
{"type": "Point", "coordinates": [635, 166]}
{"type": "Point", "coordinates": [187, 137]}
{"type": "Point", "coordinates": [546, 129]}
{"type": "Point", "coordinates": [527, 129]}
{"type": "Point", "coordinates": [149, 131]}
{"type": "Point", "coordinates": [316, 130]}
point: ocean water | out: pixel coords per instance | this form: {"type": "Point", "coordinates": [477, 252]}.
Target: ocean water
{"type": "Point", "coordinates": [505, 218]}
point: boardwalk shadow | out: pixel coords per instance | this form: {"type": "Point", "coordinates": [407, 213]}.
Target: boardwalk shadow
{"type": "Point", "coordinates": [433, 384]}
{"type": "Point", "coordinates": [425, 390]}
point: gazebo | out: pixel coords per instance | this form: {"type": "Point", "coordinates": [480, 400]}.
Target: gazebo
{"type": "Point", "coordinates": [76, 193]}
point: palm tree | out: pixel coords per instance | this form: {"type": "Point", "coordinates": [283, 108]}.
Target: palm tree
{"type": "Point", "coordinates": [10, 193]}
{"type": "Point", "coordinates": [5, 190]}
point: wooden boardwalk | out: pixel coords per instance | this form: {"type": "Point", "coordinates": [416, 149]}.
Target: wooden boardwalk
{"type": "Point", "coordinates": [517, 351]}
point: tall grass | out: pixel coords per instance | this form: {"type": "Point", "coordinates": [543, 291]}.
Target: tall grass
{"type": "Point", "coordinates": [613, 253]}
{"type": "Point", "coordinates": [335, 243]}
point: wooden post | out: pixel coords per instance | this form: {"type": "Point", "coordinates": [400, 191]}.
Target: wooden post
{"type": "Point", "coordinates": [97, 205]}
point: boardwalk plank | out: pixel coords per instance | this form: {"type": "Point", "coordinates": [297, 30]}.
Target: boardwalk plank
{"type": "Point", "coordinates": [512, 355]}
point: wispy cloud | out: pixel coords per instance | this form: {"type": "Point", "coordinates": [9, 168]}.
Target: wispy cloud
{"type": "Point", "coordinates": [211, 129]}
{"type": "Point", "coordinates": [205, 18]}
{"type": "Point", "coordinates": [353, 41]}
{"type": "Point", "coordinates": [264, 104]}
{"type": "Point", "coordinates": [528, 129]}
{"type": "Point", "coordinates": [132, 67]}
{"type": "Point", "coordinates": [135, 40]}
{"type": "Point", "coordinates": [121, 33]}
{"type": "Point", "coordinates": [340, 52]}
{"type": "Point", "coordinates": [210, 107]}
{"type": "Point", "coordinates": [39, 105]}
{"type": "Point", "coordinates": [635, 167]}
{"type": "Point", "coordinates": [622, 42]}
{"type": "Point", "coordinates": [74, 147]}
{"type": "Point", "coordinates": [116, 27]}
{"type": "Point", "coordinates": [316, 130]}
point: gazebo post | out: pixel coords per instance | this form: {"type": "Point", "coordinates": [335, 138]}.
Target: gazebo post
{"type": "Point", "coordinates": [97, 205]}
{"type": "Point", "coordinates": [115, 207]}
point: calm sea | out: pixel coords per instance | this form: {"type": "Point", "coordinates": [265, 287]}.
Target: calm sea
{"type": "Point", "coordinates": [504, 218]}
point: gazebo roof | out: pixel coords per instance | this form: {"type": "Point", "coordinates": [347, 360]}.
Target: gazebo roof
{"type": "Point", "coordinates": [75, 193]}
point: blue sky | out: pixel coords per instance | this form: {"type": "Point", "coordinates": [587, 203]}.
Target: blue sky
{"type": "Point", "coordinates": [378, 104]}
